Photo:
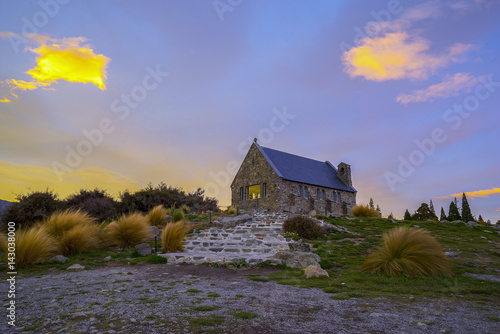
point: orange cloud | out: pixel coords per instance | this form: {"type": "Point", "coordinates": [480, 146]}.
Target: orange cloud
{"type": "Point", "coordinates": [68, 59]}
{"type": "Point", "coordinates": [5, 100]}
{"type": "Point", "coordinates": [498, 210]}
{"type": "Point", "coordinates": [450, 86]}
{"type": "Point", "coordinates": [18, 178]}
{"type": "Point", "coordinates": [394, 56]}
{"type": "Point", "coordinates": [474, 194]}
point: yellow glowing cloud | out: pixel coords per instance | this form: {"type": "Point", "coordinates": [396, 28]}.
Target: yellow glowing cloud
{"type": "Point", "coordinates": [396, 55]}
{"type": "Point", "coordinates": [5, 100]}
{"type": "Point", "coordinates": [451, 86]}
{"type": "Point", "coordinates": [474, 194]}
{"type": "Point", "coordinates": [71, 62]}
{"type": "Point", "coordinates": [17, 178]}
{"type": "Point", "coordinates": [67, 59]}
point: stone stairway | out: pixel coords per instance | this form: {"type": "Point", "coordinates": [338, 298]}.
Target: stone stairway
{"type": "Point", "coordinates": [254, 241]}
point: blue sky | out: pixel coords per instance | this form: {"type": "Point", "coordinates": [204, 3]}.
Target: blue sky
{"type": "Point", "coordinates": [406, 92]}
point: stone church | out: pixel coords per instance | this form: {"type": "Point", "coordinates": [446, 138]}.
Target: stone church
{"type": "Point", "coordinates": [278, 181]}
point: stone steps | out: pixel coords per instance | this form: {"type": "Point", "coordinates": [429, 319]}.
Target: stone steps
{"type": "Point", "coordinates": [253, 241]}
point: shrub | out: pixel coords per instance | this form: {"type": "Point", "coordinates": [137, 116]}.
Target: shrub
{"type": "Point", "coordinates": [61, 222]}
{"type": "Point", "coordinates": [305, 227]}
{"type": "Point", "coordinates": [97, 203]}
{"type": "Point", "coordinates": [361, 210]}
{"type": "Point", "coordinates": [177, 216]}
{"type": "Point", "coordinates": [172, 236]}
{"type": "Point", "coordinates": [32, 207]}
{"type": "Point", "coordinates": [185, 209]}
{"type": "Point", "coordinates": [408, 252]}
{"type": "Point", "coordinates": [32, 245]}
{"type": "Point", "coordinates": [80, 238]}
{"type": "Point", "coordinates": [157, 215]}
{"type": "Point", "coordinates": [128, 230]}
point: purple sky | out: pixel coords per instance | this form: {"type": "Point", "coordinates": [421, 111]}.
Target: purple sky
{"type": "Point", "coordinates": [118, 94]}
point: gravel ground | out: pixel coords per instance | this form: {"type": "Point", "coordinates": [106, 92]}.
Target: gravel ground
{"type": "Point", "coordinates": [147, 298]}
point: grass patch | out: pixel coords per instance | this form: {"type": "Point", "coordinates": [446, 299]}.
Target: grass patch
{"type": "Point", "coordinates": [245, 315]}
{"type": "Point", "coordinates": [194, 291]}
{"type": "Point", "coordinates": [213, 295]}
{"type": "Point", "coordinates": [204, 308]}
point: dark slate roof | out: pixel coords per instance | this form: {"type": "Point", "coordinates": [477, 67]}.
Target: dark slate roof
{"type": "Point", "coordinates": [299, 169]}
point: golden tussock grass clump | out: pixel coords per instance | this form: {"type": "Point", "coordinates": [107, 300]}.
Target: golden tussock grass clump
{"type": "Point", "coordinates": [129, 230]}
{"type": "Point", "coordinates": [408, 252]}
{"type": "Point", "coordinates": [32, 245]}
{"type": "Point", "coordinates": [361, 210]}
{"type": "Point", "coordinates": [173, 235]}
{"type": "Point", "coordinates": [61, 222]}
{"type": "Point", "coordinates": [157, 215]}
{"type": "Point", "coordinates": [80, 238]}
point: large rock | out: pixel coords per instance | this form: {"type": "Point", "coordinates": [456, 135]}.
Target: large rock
{"type": "Point", "coordinates": [297, 259]}
{"type": "Point", "coordinates": [471, 224]}
{"type": "Point", "coordinates": [227, 222]}
{"type": "Point", "coordinates": [315, 271]}
{"type": "Point", "coordinates": [143, 249]}
{"type": "Point", "coordinates": [299, 247]}
{"type": "Point", "coordinates": [59, 259]}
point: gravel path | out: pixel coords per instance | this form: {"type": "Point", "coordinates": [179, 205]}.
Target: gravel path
{"type": "Point", "coordinates": [147, 298]}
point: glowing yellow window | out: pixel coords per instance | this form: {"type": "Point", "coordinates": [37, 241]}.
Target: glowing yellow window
{"type": "Point", "coordinates": [254, 191]}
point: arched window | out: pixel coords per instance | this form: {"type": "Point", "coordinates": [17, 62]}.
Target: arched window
{"type": "Point", "coordinates": [300, 191]}
{"type": "Point", "coordinates": [323, 195]}
{"type": "Point", "coordinates": [317, 193]}
{"type": "Point", "coordinates": [340, 197]}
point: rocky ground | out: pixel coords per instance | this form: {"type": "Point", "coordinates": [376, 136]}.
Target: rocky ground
{"type": "Point", "coordinates": [147, 298]}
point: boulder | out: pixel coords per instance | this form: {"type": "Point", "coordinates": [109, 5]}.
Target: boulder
{"type": "Point", "coordinates": [227, 222]}
{"type": "Point", "coordinates": [299, 247]}
{"type": "Point", "coordinates": [143, 249]}
{"type": "Point", "coordinates": [108, 258]}
{"type": "Point", "coordinates": [315, 271]}
{"type": "Point", "coordinates": [471, 224]}
{"type": "Point", "coordinates": [59, 259]}
{"type": "Point", "coordinates": [450, 254]}
{"type": "Point", "coordinates": [168, 218]}
{"type": "Point", "coordinates": [297, 259]}
{"type": "Point", "coordinates": [76, 266]}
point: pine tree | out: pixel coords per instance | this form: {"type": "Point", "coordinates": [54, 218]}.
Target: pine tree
{"type": "Point", "coordinates": [407, 215]}
{"type": "Point", "coordinates": [466, 213]}
{"type": "Point", "coordinates": [431, 206]}
{"type": "Point", "coordinates": [443, 215]}
{"type": "Point", "coordinates": [378, 210]}
{"type": "Point", "coordinates": [390, 216]}
{"type": "Point", "coordinates": [453, 213]}
{"type": "Point", "coordinates": [371, 204]}
{"type": "Point", "coordinates": [423, 213]}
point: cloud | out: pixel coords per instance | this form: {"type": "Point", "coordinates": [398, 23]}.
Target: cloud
{"type": "Point", "coordinates": [475, 194]}
{"type": "Point", "coordinates": [450, 86]}
{"type": "Point", "coordinates": [497, 210]}
{"type": "Point", "coordinates": [394, 53]}
{"type": "Point", "coordinates": [68, 59]}
{"type": "Point", "coordinates": [18, 178]}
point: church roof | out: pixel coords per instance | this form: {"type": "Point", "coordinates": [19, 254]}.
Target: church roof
{"type": "Point", "coordinates": [299, 169]}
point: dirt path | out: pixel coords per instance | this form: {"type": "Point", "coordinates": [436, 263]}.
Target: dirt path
{"type": "Point", "coordinates": [147, 298]}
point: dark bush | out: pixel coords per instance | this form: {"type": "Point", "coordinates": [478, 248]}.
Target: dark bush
{"type": "Point", "coordinates": [146, 199]}
{"type": "Point", "coordinates": [97, 203]}
{"type": "Point", "coordinates": [305, 226]}
{"type": "Point", "coordinates": [32, 207]}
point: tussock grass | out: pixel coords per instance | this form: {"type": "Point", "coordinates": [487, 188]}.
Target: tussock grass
{"type": "Point", "coordinates": [173, 235]}
{"type": "Point", "coordinates": [157, 215]}
{"type": "Point", "coordinates": [408, 252]}
{"type": "Point", "coordinates": [177, 216]}
{"type": "Point", "coordinates": [61, 222]}
{"type": "Point", "coordinates": [80, 238]}
{"type": "Point", "coordinates": [129, 230]}
{"type": "Point", "coordinates": [32, 245]}
{"type": "Point", "coordinates": [185, 209]}
{"type": "Point", "coordinates": [361, 210]}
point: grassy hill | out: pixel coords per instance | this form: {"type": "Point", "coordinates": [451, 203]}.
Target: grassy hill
{"type": "Point", "coordinates": [473, 251]}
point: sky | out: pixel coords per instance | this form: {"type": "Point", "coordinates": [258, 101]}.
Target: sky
{"type": "Point", "coordinates": [118, 94]}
